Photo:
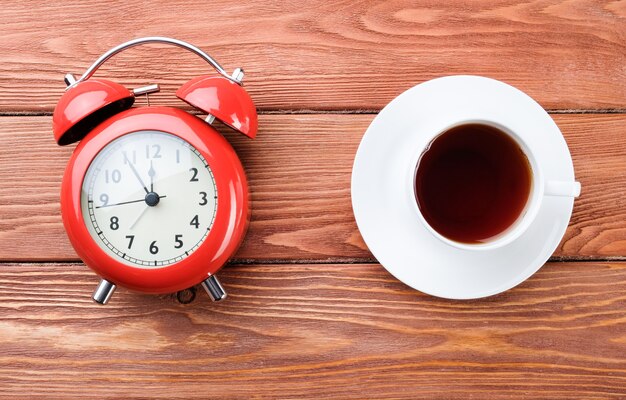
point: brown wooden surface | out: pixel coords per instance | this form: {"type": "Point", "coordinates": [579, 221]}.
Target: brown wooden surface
{"type": "Point", "coordinates": [324, 54]}
{"type": "Point", "coordinates": [315, 331]}
{"type": "Point", "coordinates": [299, 169]}
{"type": "Point", "coordinates": [310, 315]}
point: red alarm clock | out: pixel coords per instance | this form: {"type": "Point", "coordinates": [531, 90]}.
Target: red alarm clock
{"type": "Point", "coordinates": [154, 199]}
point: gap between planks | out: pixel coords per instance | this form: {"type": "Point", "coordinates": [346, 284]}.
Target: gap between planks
{"type": "Point", "coordinates": [341, 112]}
{"type": "Point", "coordinates": [341, 261]}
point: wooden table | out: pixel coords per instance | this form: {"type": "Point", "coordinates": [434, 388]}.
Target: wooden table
{"type": "Point", "coordinates": [310, 313]}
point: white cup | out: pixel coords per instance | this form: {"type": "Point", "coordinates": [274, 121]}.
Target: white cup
{"type": "Point", "coordinates": [540, 188]}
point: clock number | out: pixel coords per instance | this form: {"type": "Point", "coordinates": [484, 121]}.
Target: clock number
{"type": "Point", "coordinates": [153, 248]}
{"type": "Point", "coordinates": [104, 198]}
{"type": "Point", "coordinates": [179, 242]}
{"type": "Point", "coordinates": [204, 201]}
{"type": "Point", "coordinates": [177, 156]}
{"type": "Point", "coordinates": [114, 223]}
{"type": "Point", "coordinates": [116, 176]}
{"type": "Point", "coordinates": [194, 171]}
{"type": "Point", "coordinates": [156, 151]}
{"type": "Point", "coordinates": [194, 222]}
{"type": "Point", "coordinates": [130, 240]}
{"type": "Point", "coordinates": [127, 161]}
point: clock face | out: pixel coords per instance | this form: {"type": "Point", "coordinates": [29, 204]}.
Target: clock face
{"type": "Point", "coordinates": [149, 199]}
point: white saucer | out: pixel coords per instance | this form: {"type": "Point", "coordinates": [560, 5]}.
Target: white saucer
{"type": "Point", "coordinates": [387, 218]}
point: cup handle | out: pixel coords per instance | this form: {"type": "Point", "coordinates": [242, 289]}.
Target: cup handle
{"type": "Point", "coordinates": [562, 189]}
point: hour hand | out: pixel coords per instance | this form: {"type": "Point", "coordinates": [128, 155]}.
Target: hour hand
{"type": "Point", "coordinates": [121, 203]}
{"type": "Point", "coordinates": [149, 200]}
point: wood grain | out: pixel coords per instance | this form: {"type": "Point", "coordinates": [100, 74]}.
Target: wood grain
{"type": "Point", "coordinates": [299, 170]}
{"type": "Point", "coordinates": [307, 315]}
{"type": "Point", "coordinates": [314, 331]}
{"type": "Point", "coordinates": [328, 55]}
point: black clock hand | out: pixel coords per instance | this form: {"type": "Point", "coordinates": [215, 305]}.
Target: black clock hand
{"type": "Point", "coordinates": [132, 167]}
{"type": "Point", "coordinates": [126, 202]}
{"type": "Point", "coordinates": [151, 173]}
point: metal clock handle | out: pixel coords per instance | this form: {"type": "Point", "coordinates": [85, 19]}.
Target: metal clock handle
{"type": "Point", "coordinates": [153, 39]}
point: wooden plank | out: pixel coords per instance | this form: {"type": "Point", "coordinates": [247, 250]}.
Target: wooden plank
{"type": "Point", "coordinates": [299, 170]}
{"type": "Point", "coordinates": [314, 331]}
{"type": "Point", "coordinates": [325, 55]}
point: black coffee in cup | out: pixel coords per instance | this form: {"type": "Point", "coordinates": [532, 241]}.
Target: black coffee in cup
{"type": "Point", "coordinates": [472, 183]}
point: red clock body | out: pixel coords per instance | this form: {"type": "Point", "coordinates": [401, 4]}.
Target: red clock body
{"type": "Point", "coordinates": [154, 199]}
{"type": "Point", "coordinates": [108, 156]}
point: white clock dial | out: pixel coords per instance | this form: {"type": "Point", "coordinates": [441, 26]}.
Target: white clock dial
{"type": "Point", "coordinates": [149, 199]}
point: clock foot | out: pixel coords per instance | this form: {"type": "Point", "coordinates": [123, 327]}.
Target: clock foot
{"type": "Point", "coordinates": [103, 292]}
{"type": "Point", "coordinates": [214, 288]}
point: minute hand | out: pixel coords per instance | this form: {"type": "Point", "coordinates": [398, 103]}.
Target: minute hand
{"type": "Point", "coordinates": [132, 168]}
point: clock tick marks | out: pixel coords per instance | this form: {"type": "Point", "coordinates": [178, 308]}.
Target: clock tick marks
{"type": "Point", "coordinates": [113, 205]}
